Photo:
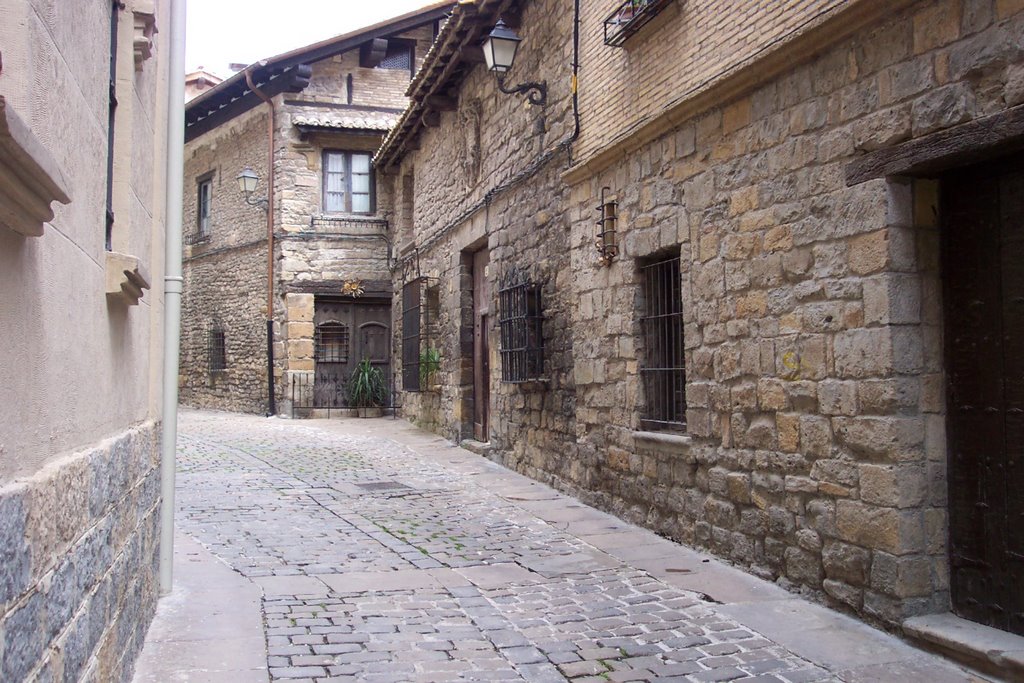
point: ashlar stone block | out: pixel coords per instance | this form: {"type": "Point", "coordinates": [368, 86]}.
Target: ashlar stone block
{"type": "Point", "coordinates": [889, 529]}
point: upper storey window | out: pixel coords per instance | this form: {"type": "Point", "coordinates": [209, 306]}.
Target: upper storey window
{"type": "Point", "coordinates": [400, 55]}
{"type": "Point", "coordinates": [347, 182]}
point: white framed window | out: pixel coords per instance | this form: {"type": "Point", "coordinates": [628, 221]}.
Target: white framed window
{"type": "Point", "coordinates": [204, 195]}
{"type": "Point", "coordinates": [347, 182]}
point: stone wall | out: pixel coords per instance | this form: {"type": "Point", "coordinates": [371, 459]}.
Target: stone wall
{"type": "Point", "coordinates": [226, 274]}
{"type": "Point", "coordinates": [443, 217]}
{"type": "Point", "coordinates": [814, 451]}
{"type": "Point", "coordinates": [816, 446]}
{"type": "Point", "coordinates": [79, 552]}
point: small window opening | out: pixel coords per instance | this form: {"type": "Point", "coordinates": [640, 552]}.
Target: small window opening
{"type": "Point", "coordinates": [663, 371]}
{"type": "Point", "coordinates": [332, 343]}
{"type": "Point", "coordinates": [217, 349]}
{"type": "Point", "coordinates": [521, 324]}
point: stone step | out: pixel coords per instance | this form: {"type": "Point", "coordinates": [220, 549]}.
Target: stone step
{"type": "Point", "coordinates": [990, 650]}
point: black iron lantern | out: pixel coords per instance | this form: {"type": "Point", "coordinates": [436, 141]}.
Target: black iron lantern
{"type": "Point", "coordinates": [607, 238]}
{"type": "Point", "coordinates": [500, 53]}
{"type": "Point", "coordinates": [500, 48]}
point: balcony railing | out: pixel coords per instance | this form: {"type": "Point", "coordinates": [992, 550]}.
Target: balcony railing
{"type": "Point", "coordinates": [630, 17]}
{"type": "Point", "coordinates": [348, 225]}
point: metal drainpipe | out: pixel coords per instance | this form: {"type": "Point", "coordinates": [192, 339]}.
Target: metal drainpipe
{"type": "Point", "coordinates": [172, 284]}
{"type": "Point", "coordinates": [271, 126]}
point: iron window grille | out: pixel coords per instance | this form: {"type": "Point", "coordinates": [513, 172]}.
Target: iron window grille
{"type": "Point", "coordinates": [217, 349]}
{"type": "Point", "coordinates": [347, 182]}
{"type": "Point", "coordinates": [399, 56]}
{"type": "Point", "coordinates": [663, 370]}
{"type": "Point", "coordinates": [331, 343]}
{"type": "Point", "coordinates": [412, 308]}
{"type": "Point", "coordinates": [521, 325]}
{"type": "Point", "coordinates": [628, 18]}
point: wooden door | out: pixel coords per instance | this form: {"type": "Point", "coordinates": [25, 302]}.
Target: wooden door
{"type": "Point", "coordinates": [481, 352]}
{"type": "Point", "coordinates": [983, 296]}
{"type": "Point", "coordinates": [346, 332]}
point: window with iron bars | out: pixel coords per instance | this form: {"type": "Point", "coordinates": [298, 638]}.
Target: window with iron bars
{"type": "Point", "coordinates": [217, 349]}
{"type": "Point", "coordinates": [663, 371]}
{"type": "Point", "coordinates": [521, 324]}
{"type": "Point", "coordinates": [331, 343]}
{"type": "Point", "coordinates": [412, 305]}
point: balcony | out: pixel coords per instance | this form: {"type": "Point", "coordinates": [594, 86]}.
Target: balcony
{"type": "Point", "coordinates": [628, 18]}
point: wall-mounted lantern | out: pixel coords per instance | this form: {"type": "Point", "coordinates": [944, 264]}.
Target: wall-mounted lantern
{"type": "Point", "coordinates": [607, 239]}
{"type": "Point", "coordinates": [247, 181]}
{"type": "Point", "coordinates": [500, 49]}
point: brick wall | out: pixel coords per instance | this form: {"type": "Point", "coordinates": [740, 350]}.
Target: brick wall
{"type": "Point", "coordinates": [692, 43]}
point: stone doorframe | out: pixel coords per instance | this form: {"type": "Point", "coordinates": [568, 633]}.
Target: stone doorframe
{"type": "Point", "coordinates": [907, 297]}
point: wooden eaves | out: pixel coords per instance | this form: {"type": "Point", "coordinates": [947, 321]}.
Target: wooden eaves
{"type": "Point", "coordinates": [434, 89]}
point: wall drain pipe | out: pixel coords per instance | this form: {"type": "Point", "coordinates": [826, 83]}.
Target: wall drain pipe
{"type": "Point", "coordinates": [172, 285]}
{"type": "Point", "coordinates": [271, 127]}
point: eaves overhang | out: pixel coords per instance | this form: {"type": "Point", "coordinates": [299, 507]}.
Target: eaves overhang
{"type": "Point", "coordinates": [434, 88]}
{"type": "Point", "coordinates": [290, 71]}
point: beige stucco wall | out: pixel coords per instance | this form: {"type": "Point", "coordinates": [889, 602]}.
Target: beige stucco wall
{"type": "Point", "coordinates": [80, 380]}
{"type": "Point", "coordinates": [76, 368]}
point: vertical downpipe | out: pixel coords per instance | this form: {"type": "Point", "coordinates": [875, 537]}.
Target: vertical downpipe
{"type": "Point", "coordinates": [172, 285]}
{"type": "Point", "coordinates": [271, 126]}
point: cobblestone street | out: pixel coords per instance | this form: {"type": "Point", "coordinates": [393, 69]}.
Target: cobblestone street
{"type": "Point", "coordinates": [379, 552]}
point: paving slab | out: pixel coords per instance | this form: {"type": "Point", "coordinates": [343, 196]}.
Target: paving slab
{"type": "Point", "coordinates": [208, 629]}
{"type": "Point", "coordinates": [367, 550]}
{"type": "Point", "coordinates": [361, 582]}
{"type": "Point", "coordinates": [291, 585]}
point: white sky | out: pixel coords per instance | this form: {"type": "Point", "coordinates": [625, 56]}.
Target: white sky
{"type": "Point", "coordinates": [220, 32]}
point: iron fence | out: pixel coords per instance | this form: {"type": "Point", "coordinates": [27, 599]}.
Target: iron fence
{"type": "Point", "coordinates": [319, 393]}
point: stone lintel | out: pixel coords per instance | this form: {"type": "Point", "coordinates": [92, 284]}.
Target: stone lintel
{"type": "Point", "coordinates": [30, 179]}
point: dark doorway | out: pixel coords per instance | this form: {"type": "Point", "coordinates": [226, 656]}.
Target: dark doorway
{"type": "Point", "coordinates": [346, 332]}
{"type": "Point", "coordinates": [481, 352]}
{"type": "Point", "coordinates": [983, 293]}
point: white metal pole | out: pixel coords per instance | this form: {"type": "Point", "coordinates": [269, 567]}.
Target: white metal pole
{"type": "Point", "coordinates": [172, 285]}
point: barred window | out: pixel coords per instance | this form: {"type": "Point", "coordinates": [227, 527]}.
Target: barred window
{"type": "Point", "coordinates": [332, 343]}
{"type": "Point", "coordinates": [521, 323]}
{"type": "Point", "coordinates": [217, 349]}
{"type": "Point", "coordinates": [412, 304]}
{"type": "Point", "coordinates": [663, 371]}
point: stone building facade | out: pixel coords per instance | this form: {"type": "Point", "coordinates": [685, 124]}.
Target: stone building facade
{"type": "Point", "coordinates": [791, 188]}
{"type": "Point", "coordinates": [82, 204]}
{"type": "Point", "coordinates": [332, 103]}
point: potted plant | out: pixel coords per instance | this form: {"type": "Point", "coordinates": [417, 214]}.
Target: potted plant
{"type": "Point", "coordinates": [430, 363]}
{"type": "Point", "coordinates": [366, 388]}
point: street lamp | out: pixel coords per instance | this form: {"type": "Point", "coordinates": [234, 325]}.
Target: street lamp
{"type": "Point", "coordinates": [500, 49]}
{"type": "Point", "coordinates": [247, 181]}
